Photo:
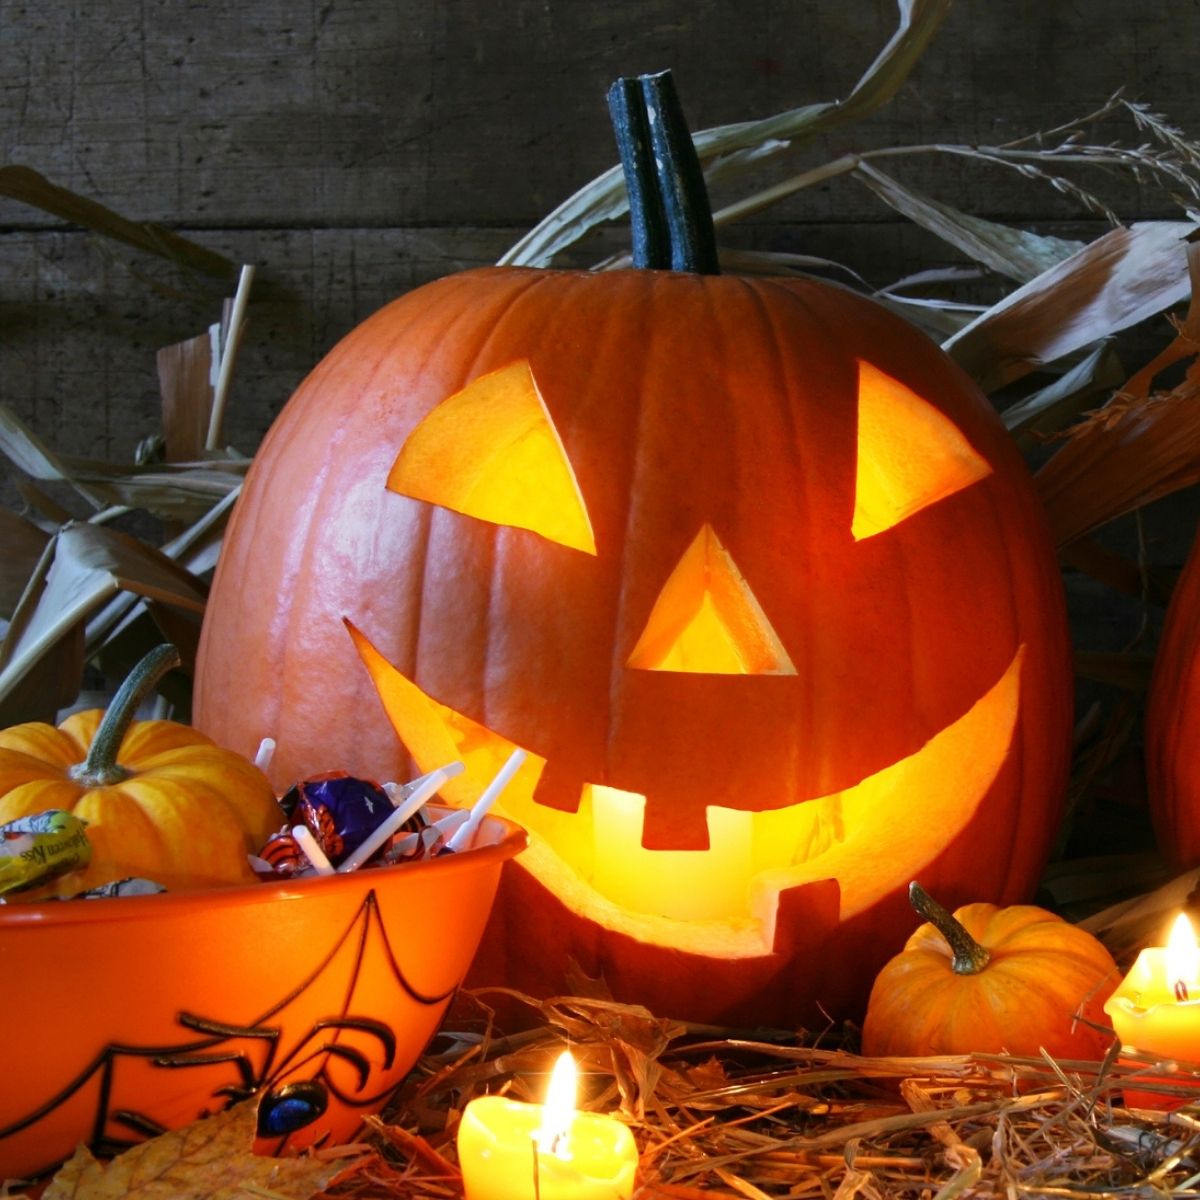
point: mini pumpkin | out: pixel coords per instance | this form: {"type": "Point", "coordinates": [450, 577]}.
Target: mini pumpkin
{"type": "Point", "coordinates": [748, 567]}
{"type": "Point", "coordinates": [987, 979]}
{"type": "Point", "coordinates": [161, 800]}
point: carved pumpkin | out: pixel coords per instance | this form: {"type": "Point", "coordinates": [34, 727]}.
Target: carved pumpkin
{"type": "Point", "coordinates": [748, 567]}
{"type": "Point", "coordinates": [985, 980]}
{"type": "Point", "coordinates": [160, 800]}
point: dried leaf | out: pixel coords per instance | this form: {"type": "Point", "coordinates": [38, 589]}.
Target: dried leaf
{"type": "Point", "coordinates": [1050, 407]}
{"type": "Point", "coordinates": [172, 491]}
{"type": "Point", "coordinates": [733, 149]}
{"type": "Point", "coordinates": [1120, 279]}
{"type": "Point", "coordinates": [91, 563]}
{"type": "Point", "coordinates": [27, 452]}
{"type": "Point", "coordinates": [210, 1159]}
{"type": "Point", "coordinates": [45, 506]}
{"type": "Point", "coordinates": [185, 380]}
{"type": "Point", "coordinates": [1016, 253]}
{"type": "Point", "coordinates": [26, 185]}
{"type": "Point", "coordinates": [195, 549]}
{"type": "Point", "coordinates": [1126, 455]}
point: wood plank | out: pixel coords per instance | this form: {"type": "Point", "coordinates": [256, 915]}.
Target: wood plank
{"type": "Point", "coordinates": [222, 114]}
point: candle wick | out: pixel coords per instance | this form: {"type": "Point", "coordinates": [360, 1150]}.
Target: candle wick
{"type": "Point", "coordinates": [537, 1171]}
{"type": "Point", "coordinates": [1181, 990]}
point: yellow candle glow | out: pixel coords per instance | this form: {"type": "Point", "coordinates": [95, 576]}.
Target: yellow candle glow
{"type": "Point", "coordinates": [509, 1150]}
{"type": "Point", "coordinates": [1156, 1009]}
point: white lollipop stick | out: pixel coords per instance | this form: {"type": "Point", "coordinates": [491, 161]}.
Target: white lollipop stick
{"type": "Point", "coordinates": [312, 850]}
{"type": "Point", "coordinates": [425, 789]}
{"type": "Point", "coordinates": [399, 792]}
{"type": "Point", "coordinates": [266, 752]}
{"type": "Point", "coordinates": [465, 833]}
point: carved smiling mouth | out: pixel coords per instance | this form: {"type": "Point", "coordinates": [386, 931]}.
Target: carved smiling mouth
{"type": "Point", "coordinates": [871, 838]}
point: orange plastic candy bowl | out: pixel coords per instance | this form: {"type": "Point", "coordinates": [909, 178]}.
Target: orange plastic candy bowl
{"type": "Point", "coordinates": [127, 1017]}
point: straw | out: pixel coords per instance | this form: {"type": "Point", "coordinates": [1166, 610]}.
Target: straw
{"type": "Point", "coordinates": [465, 833]}
{"type": "Point", "coordinates": [233, 338]}
{"type": "Point", "coordinates": [427, 785]}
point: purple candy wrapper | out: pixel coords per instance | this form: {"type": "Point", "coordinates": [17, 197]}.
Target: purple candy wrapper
{"type": "Point", "coordinates": [342, 812]}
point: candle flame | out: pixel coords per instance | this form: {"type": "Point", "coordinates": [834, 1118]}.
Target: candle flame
{"type": "Point", "coordinates": [559, 1108]}
{"type": "Point", "coordinates": [1182, 958]}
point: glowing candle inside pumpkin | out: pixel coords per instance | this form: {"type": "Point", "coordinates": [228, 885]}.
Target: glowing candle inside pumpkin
{"type": "Point", "coordinates": [509, 1150]}
{"type": "Point", "coordinates": [1156, 1009]}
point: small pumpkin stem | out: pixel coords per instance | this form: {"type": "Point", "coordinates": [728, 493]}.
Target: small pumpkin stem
{"type": "Point", "coordinates": [100, 768]}
{"type": "Point", "coordinates": [667, 195]}
{"type": "Point", "coordinates": [969, 957]}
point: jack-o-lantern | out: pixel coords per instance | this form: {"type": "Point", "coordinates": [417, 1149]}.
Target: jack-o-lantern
{"type": "Point", "coordinates": [746, 565]}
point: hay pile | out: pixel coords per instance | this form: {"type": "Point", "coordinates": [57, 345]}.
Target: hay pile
{"type": "Point", "coordinates": [736, 1114]}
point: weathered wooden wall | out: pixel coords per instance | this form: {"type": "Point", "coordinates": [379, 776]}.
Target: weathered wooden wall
{"type": "Point", "coordinates": [356, 149]}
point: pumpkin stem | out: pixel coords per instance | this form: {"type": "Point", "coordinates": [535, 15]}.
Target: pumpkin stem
{"type": "Point", "coordinates": [647, 223]}
{"type": "Point", "coordinates": [668, 202]}
{"type": "Point", "coordinates": [100, 768]}
{"type": "Point", "coordinates": [969, 957]}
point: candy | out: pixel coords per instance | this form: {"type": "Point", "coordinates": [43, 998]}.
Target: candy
{"type": "Point", "coordinates": [131, 886]}
{"type": "Point", "coordinates": [341, 812]}
{"type": "Point", "coordinates": [281, 856]}
{"type": "Point", "coordinates": [39, 848]}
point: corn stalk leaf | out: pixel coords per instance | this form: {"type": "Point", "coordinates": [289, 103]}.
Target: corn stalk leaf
{"type": "Point", "coordinates": [186, 378]}
{"type": "Point", "coordinates": [26, 185]}
{"type": "Point", "coordinates": [173, 491]}
{"type": "Point", "coordinates": [730, 150]}
{"type": "Point", "coordinates": [88, 565]}
{"type": "Point", "coordinates": [195, 549]}
{"type": "Point", "coordinates": [27, 452]}
{"type": "Point", "coordinates": [1139, 447]}
{"type": "Point", "coordinates": [1128, 454]}
{"type": "Point", "coordinates": [1119, 280]}
{"type": "Point", "coordinates": [1048, 408]}
{"type": "Point", "coordinates": [1015, 253]}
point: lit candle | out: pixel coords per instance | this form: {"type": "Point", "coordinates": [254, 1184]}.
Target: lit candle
{"type": "Point", "coordinates": [1156, 1010]}
{"type": "Point", "coordinates": [509, 1150]}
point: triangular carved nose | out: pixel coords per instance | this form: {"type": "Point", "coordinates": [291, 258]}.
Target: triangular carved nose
{"type": "Point", "coordinates": [707, 620]}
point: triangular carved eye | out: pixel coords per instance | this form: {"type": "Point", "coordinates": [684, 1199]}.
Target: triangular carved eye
{"type": "Point", "coordinates": [491, 451]}
{"type": "Point", "coordinates": [909, 454]}
{"type": "Point", "coordinates": [707, 620]}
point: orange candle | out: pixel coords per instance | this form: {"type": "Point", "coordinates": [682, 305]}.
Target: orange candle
{"type": "Point", "coordinates": [1156, 1010]}
{"type": "Point", "coordinates": [509, 1150]}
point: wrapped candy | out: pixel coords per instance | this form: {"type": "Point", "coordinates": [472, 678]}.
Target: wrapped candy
{"type": "Point", "coordinates": [280, 856]}
{"type": "Point", "coordinates": [41, 847]}
{"type": "Point", "coordinates": [130, 886]}
{"type": "Point", "coordinates": [341, 811]}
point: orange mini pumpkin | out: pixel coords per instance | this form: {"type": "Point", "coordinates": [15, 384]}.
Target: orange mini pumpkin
{"type": "Point", "coordinates": [989, 979]}
{"type": "Point", "coordinates": [160, 799]}
{"type": "Point", "coordinates": [748, 567]}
